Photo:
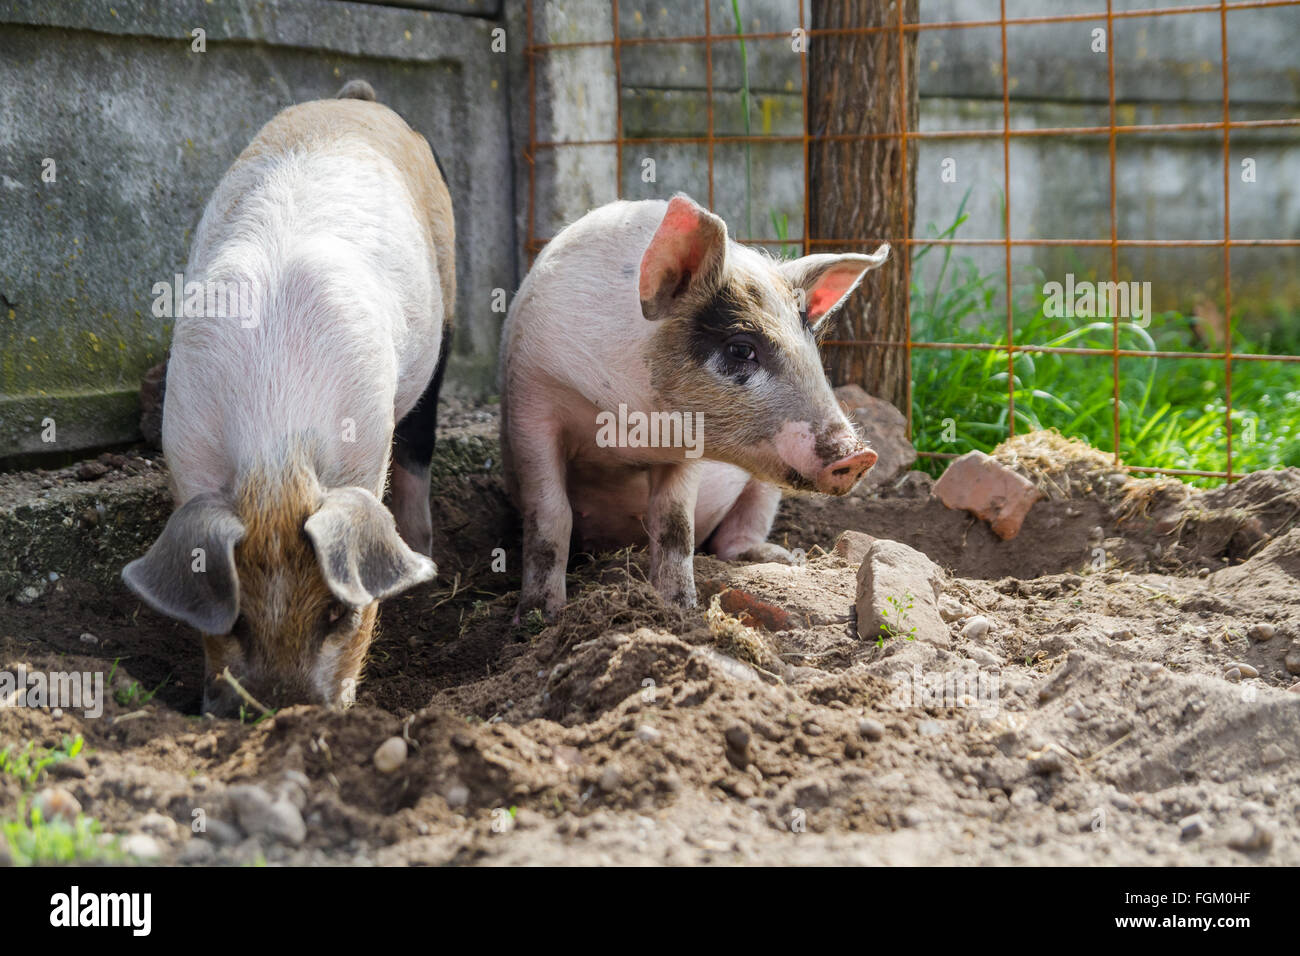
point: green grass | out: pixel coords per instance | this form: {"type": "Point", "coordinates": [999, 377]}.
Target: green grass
{"type": "Point", "coordinates": [1172, 411]}
{"type": "Point", "coordinates": [28, 763]}
{"type": "Point", "coordinates": [33, 841]}
{"type": "Point", "coordinates": [133, 694]}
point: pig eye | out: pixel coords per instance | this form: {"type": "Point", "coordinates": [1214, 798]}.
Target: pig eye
{"type": "Point", "coordinates": [335, 611]}
{"type": "Point", "coordinates": [742, 352]}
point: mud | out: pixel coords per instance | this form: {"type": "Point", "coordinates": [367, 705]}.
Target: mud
{"type": "Point", "coordinates": [1103, 717]}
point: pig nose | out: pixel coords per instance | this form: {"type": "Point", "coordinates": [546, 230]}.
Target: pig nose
{"type": "Point", "coordinates": [839, 477]}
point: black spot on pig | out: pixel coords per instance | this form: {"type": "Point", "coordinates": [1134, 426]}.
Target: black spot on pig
{"type": "Point", "coordinates": [729, 311]}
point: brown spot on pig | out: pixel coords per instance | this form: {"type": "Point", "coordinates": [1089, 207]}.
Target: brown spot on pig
{"type": "Point", "coordinates": [293, 642]}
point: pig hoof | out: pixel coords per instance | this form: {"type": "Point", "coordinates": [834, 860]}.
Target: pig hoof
{"type": "Point", "coordinates": [767, 553]}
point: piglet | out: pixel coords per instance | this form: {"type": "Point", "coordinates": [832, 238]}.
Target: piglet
{"type": "Point", "coordinates": [333, 232]}
{"type": "Point", "coordinates": [661, 383]}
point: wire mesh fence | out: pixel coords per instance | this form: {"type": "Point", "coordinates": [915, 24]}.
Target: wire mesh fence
{"type": "Point", "coordinates": [1012, 347]}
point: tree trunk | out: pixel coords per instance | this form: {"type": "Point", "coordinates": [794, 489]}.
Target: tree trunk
{"type": "Point", "coordinates": [859, 190]}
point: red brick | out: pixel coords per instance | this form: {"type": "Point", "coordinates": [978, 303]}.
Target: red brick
{"type": "Point", "coordinates": [991, 491]}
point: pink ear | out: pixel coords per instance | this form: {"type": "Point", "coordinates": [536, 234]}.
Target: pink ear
{"type": "Point", "coordinates": [678, 248]}
{"type": "Point", "coordinates": [832, 286]}
{"type": "Point", "coordinates": [827, 280]}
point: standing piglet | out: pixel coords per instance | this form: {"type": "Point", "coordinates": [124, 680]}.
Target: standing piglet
{"type": "Point", "coordinates": [336, 228]}
{"type": "Point", "coordinates": [640, 328]}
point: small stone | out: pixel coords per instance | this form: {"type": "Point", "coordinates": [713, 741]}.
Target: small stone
{"type": "Point", "coordinates": [1023, 797]}
{"type": "Point", "coordinates": [1261, 632]}
{"type": "Point", "coordinates": [1292, 659]}
{"type": "Point", "coordinates": [457, 795]}
{"type": "Point", "coordinates": [913, 817]}
{"type": "Point", "coordinates": [1122, 634]}
{"type": "Point", "coordinates": [90, 470]}
{"type": "Point", "coordinates": [950, 609]}
{"type": "Point", "coordinates": [196, 853]}
{"type": "Point", "coordinates": [219, 831]}
{"type": "Point", "coordinates": [1245, 670]}
{"type": "Point", "coordinates": [159, 825]}
{"type": "Point", "coordinates": [74, 768]}
{"type": "Point", "coordinates": [610, 779]}
{"type": "Point", "coordinates": [390, 755]}
{"type": "Point", "coordinates": [853, 546]}
{"type": "Point", "coordinates": [1150, 668]}
{"type": "Point", "coordinates": [1251, 838]}
{"type": "Point", "coordinates": [88, 638]}
{"type": "Point", "coordinates": [1272, 754]}
{"type": "Point", "coordinates": [648, 735]}
{"type": "Point", "coordinates": [55, 803]}
{"type": "Point", "coordinates": [976, 628]}
{"type": "Point", "coordinates": [737, 739]}
{"type": "Point", "coordinates": [1193, 826]}
{"type": "Point", "coordinates": [980, 656]}
{"type": "Point", "coordinates": [872, 729]}
{"type": "Point", "coordinates": [1049, 761]}
{"type": "Point", "coordinates": [140, 846]}
{"type": "Point", "coordinates": [1232, 674]}
{"type": "Point", "coordinates": [260, 815]}
{"type": "Point", "coordinates": [1077, 711]}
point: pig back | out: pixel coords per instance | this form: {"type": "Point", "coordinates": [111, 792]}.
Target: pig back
{"type": "Point", "coordinates": [325, 124]}
{"type": "Point", "coordinates": [576, 320]}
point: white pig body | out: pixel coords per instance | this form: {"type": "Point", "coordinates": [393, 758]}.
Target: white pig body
{"type": "Point", "coordinates": [638, 310]}
{"type": "Point", "coordinates": [559, 374]}
{"type": "Point", "coordinates": [332, 237]}
{"type": "Point", "coordinates": [345, 324]}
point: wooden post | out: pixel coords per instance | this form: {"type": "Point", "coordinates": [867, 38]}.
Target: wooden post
{"type": "Point", "coordinates": [865, 189]}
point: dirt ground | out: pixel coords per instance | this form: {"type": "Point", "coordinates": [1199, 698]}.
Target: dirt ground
{"type": "Point", "coordinates": [1128, 701]}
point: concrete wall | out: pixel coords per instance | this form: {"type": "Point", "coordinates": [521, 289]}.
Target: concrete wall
{"type": "Point", "coordinates": [141, 127]}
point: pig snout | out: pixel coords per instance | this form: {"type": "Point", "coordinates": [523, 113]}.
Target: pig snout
{"type": "Point", "coordinates": [839, 477]}
{"type": "Point", "coordinates": [829, 461]}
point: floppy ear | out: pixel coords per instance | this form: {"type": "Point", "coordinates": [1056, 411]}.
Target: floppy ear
{"type": "Point", "coordinates": [687, 252]}
{"type": "Point", "coordinates": [827, 280]}
{"type": "Point", "coordinates": [189, 573]}
{"type": "Point", "coordinates": [359, 550]}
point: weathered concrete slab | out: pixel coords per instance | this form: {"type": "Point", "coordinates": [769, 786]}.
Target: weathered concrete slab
{"type": "Point", "coordinates": [140, 127]}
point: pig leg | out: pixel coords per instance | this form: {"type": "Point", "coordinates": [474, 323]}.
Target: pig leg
{"type": "Point", "coordinates": [539, 471]}
{"type": "Point", "coordinates": [413, 442]}
{"type": "Point", "coordinates": [742, 535]}
{"type": "Point", "coordinates": [670, 522]}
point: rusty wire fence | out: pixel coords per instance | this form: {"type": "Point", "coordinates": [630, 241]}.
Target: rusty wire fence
{"type": "Point", "coordinates": [1005, 133]}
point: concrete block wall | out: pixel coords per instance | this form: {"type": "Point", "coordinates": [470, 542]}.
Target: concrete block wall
{"type": "Point", "coordinates": [140, 127]}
